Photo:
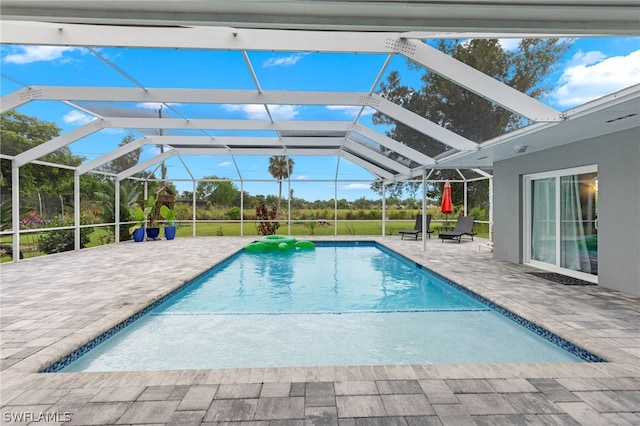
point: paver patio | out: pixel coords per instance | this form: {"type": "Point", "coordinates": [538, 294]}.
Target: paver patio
{"type": "Point", "coordinates": [54, 304]}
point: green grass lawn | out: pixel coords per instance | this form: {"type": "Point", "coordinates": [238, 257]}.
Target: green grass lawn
{"type": "Point", "coordinates": [103, 235]}
{"type": "Point", "coordinates": [320, 228]}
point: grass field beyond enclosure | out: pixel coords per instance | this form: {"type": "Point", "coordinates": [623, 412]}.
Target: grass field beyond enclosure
{"type": "Point", "coordinates": [102, 235]}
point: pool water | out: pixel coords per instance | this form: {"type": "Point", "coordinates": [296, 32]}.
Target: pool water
{"type": "Point", "coordinates": [335, 305]}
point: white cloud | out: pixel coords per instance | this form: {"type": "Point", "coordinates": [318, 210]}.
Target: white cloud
{"type": "Point", "coordinates": [284, 112]}
{"type": "Point", "coordinates": [29, 54]}
{"type": "Point", "coordinates": [153, 105]}
{"type": "Point", "coordinates": [224, 164]}
{"type": "Point", "coordinates": [284, 61]}
{"type": "Point", "coordinates": [590, 75]}
{"type": "Point", "coordinates": [77, 117]}
{"type": "Point", "coordinates": [356, 187]}
{"type": "Point", "coordinates": [586, 58]}
{"type": "Point", "coordinates": [258, 112]}
{"type": "Point", "coordinates": [302, 177]}
{"type": "Point", "coordinates": [509, 43]}
{"type": "Point", "coordinates": [149, 105]}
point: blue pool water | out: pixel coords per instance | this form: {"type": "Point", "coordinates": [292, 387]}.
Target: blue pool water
{"type": "Point", "coordinates": [335, 305]}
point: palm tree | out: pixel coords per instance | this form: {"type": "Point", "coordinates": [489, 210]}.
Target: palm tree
{"type": "Point", "coordinates": [280, 167]}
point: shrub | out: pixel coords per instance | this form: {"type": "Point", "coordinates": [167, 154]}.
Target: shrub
{"type": "Point", "coordinates": [266, 217]}
{"type": "Point", "coordinates": [311, 225]}
{"type": "Point", "coordinates": [233, 213]}
{"type": "Point", "coordinates": [183, 211]}
{"type": "Point", "coordinates": [479, 213]}
{"type": "Point", "coordinates": [60, 240]}
{"type": "Point", "coordinates": [205, 214]}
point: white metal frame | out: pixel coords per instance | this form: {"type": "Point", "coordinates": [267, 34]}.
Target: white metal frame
{"type": "Point", "coordinates": [25, 30]}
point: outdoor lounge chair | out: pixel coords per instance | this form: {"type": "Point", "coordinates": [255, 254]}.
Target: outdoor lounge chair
{"type": "Point", "coordinates": [417, 228]}
{"type": "Point", "coordinates": [464, 226]}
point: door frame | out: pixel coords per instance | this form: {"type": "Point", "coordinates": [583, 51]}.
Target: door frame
{"type": "Point", "coordinates": [527, 221]}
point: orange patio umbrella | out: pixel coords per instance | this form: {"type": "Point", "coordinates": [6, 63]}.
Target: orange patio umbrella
{"type": "Point", "coordinates": [447, 206]}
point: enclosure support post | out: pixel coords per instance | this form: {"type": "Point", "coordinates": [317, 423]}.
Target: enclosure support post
{"type": "Point", "coordinates": [424, 210]}
{"type": "Point", "coordinates": [465, 198]}
{"type": "Point", "coordinates": [241, 208]}
{"type": "Point", "coordinates": [384, 208]}
{"type": "Point", "coordinates": [289, 205]}
{"type": "Point", "coordinates": [15, 209]}
{"type": "Point", "coordinates": [491, 209]}
{"type": "Point", "coordinates": [193, 210]}
{"type": "Point", "coordinates": [335, 206]}
{"type": "Point", "coordinates": [116, 209]}
{"type": "Point", "coordinates": [76, 209]}
{"type": "Point", "coordinates": [145, 196]}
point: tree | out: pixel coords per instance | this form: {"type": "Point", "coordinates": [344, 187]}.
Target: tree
{"type": "Point", "coordinates": [280, 167]}
{"type": "Point", "coordinates": [461, 111]}
{"type": "Point", "coordinates": [215, 191]}
{"type": "Point", "coordinates": [125, 161]}
{"type": "Point", "coordinates": [20, 133]}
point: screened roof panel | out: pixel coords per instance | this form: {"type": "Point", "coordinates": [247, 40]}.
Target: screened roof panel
{"type": "Point", "coordinates": [172, 132]}
{"type": "Point", "coordinates": [203, 165]}
{"type": "Point", "coordinates": [347, 170]}
{"type": "Point", "coordinates": [123, 109]}
{"type": "Point", "coordinates": [254, 167]}
{"type": "Point", "coordinates": [175, 170]}
{"type": "Point", "coordinates": [341, 72]}
{"type": "Point", "coordinates": [73, 66]}
{"type": "Point", "coordinates": [178, 68]}
{"type": "Point", "coordinates": [60, 114]}
{"type": "Point", "coordinates": [312, 133]}
{"type": "Point", "coordinates": [364, 141]}
{"type": "Point", "coordinates": [364, 157]}
{"type": "Point", "coordinates": [175, 110]}
{"type": "Point", "coordinates": [310, 92]}
{"type": "Point", "coordinates": [8, 85]}
{"type": "Point", "coordinates": [313, 168]}
{"type": "Point", "coordinates": [240, 133]}
{"type": "Point", "coordinates": [411, 137]}
{"type": "Point", "coordinates": [100, 143]}
{"type": "Point", "coordinates": [374, 148]}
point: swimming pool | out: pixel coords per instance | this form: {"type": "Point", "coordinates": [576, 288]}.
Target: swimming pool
{"type": "Point", "coordinates": [341, 304]}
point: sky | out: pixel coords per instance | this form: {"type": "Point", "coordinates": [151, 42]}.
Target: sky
{"type": "Point", "coordinates": [593, 67]}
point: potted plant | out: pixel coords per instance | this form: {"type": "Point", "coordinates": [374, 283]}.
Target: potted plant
{"type": "Point", "coordinates": [150, 205]}
{"type": "Point", "coordinates": [170, 216]}
{"type": "Point", "coordinates": [138, 215]}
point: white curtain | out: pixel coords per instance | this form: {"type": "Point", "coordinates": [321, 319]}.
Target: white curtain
{"type": "Point", "coordinates": [574, 245]}
{"type": "Point", "coordinates": [543, 220]}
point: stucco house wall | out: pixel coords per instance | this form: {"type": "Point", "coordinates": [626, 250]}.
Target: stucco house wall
{"type": "Point", "coordinates": [618, 159]}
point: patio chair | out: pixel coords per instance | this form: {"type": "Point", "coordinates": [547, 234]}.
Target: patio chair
{"type": "Point", "coordinates": [417, 228]}
{"type": "Point", "coordinates": [464, 226]}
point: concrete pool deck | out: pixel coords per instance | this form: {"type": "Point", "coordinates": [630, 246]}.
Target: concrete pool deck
{"type": "Point", "coordinates": [51, 305]}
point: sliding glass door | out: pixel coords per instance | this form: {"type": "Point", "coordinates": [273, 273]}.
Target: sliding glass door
{"type": "Point", "coordinates": [561, 221]}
